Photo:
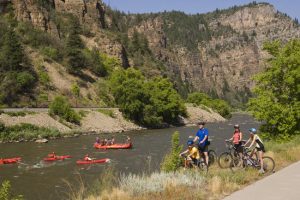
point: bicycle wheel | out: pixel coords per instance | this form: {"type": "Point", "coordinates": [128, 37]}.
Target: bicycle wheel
{"type": "Point", "coordinates": [212, 157]}
{"type": "Point", "coordinates": [202, 166]}
{"type": "Point", "coordinates": [225, 160]}
{"type": "Point", "coordinates": [269, 164]}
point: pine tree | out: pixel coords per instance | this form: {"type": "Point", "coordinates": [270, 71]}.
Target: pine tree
{"type": "Point", "coordinates": [11, 55]}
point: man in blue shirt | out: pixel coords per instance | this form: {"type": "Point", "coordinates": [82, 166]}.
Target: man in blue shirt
{"type": "Point", "coordinates": [202, 137]}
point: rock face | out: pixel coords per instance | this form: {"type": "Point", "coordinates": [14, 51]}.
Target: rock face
{"type": "Point", "coordinates": [224, 65]}
{"type": "Point", "coordinates": [221, 66]}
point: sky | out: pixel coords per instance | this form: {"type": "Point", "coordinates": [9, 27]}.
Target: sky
{"type": "Point", "coordinates": [290, 7]}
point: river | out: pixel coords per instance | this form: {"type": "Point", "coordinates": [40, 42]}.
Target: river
{"type": "Point", "coordinates": [38, 180]}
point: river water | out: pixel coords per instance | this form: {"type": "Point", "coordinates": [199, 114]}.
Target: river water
{"type": "Point", "coordinates": [38, 180]}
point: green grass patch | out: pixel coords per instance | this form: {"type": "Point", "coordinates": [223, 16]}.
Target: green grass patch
{"type": "Point", "coordinates": [19, 113]}
{"type": "Point", "coordinates": [107, 112]}
{"type": "Point", "coordinates": [26, 132]}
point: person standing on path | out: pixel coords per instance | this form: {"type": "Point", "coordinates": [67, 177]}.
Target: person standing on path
{"type": "Point", "coordinates": [202, 138]}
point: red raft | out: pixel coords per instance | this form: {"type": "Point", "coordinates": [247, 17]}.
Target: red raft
{"type": "Point", "coordinates": [9, 160]}
{"type": "Point", "coordinates": [97, 161]}
{"type": "Point", "coordinates": [114, 146]}
{"type": "Point", "coordinates": [57, 158]}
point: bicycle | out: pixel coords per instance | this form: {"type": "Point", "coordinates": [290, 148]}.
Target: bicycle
{"type": "Point", "coordinates": [199, 163]}
{"type": "Point", "coordinates": [248, 161]}
{"type": "Point", "coordinates": [212, 155]}
{"type": "Point", "coordinates": [230, 156]}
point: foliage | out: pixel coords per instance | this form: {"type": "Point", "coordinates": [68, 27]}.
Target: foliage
{"type": "Point", "coordinates": [277, 91]}
{"type": "Point", "coordinates": [164, 100]}
{"type": "Point", "coordinates": [75, 90]}
{"type": "Point", "coordinates": [16, 74]}
{"type": "Point", "coordinates": [61, 107]}
{"type": "Point", "coordinates": [103, 91]}
{"type": "Point", "coordinates": [172, 161]}
{"type": "Point", "coordinates": [20, 113]}
{"type": "Point", "coordinates": [5, 192]}
{"type": "Point", "coordinates": [107, 112]}
{"type": "Point", "coordinates": [94, 62]}
{"type": "Point", "coordinates": [149, 103]}
{"type": "Point", "coordinates": [219, 105]}
{"type": "Point", "coordinates": [26, 132]}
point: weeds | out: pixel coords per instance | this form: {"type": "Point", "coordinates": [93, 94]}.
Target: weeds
{"type": "Point", "coordinates": [107, 112]}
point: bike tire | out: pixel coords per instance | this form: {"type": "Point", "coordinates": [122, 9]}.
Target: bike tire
{"type": "Point", "coordinates": [269, 164]}
{"type": "Point", "coordinates": [225, 160]}
{"type": "Point", "coordinates": [212, 157]}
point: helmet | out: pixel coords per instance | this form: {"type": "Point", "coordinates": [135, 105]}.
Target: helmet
{"type": "Point", "coordinates": [236, 126]}
{"type": "Point", "coordinates": [201, 123]}
{"type": "Point", "coordinates": [253, 130]}
{"type": "Point", "coordinates": [190, 142]}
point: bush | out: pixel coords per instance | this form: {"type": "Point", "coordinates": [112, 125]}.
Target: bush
{"type": "Point", "coordinates": [172, 161]}
{"type": "Point", "coordinates": [61, 107]}
{"type": "Point", "coordinates": [150, 103]}
{"type": "Point", "coordinates": [5, 192]}
{"type": "Point", "coordinates": [51, 53]}
{"type": "Point", "coordinates": [26, 132]}
{"type": "Point", "coordinates": [218, 105]}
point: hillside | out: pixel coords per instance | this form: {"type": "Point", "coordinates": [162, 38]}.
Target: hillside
{"type": "Point", "coordinates": [216, 53]}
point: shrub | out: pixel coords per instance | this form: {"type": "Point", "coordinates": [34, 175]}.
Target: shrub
{"type": "Point", "coordinates": [51, 53]}
{"type": "Point", "coordinates": [5, 192]}
{"type": "Point", "coordinates": [218, 105]}
{"type": "Point", "coordinates": [61, 107]}
{"type": "Point", "coordinates": [172, 161]}
{"type": "Point", "coordinates": [149, 103]}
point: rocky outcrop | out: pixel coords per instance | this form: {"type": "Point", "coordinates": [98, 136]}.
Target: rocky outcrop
{"type": "Point", "coordinates": [224, 65]}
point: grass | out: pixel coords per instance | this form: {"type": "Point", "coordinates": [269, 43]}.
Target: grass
{"type": "Point", "coordinates": [26, 132]}
{"type": "Point", "coordinates": [18, 114]}
{"type": "Point", "coordinates": [107, 112]}
{"type": "Point", "coordinates": [190, 184]}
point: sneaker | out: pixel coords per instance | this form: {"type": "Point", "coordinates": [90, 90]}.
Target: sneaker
{"type": "Point", "coordinates": [261, 171]}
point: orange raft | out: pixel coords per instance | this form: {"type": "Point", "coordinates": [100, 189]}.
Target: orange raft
{"type": "Point", "coordinates": [96, 161]}
{"type": "Point", "coordinates": [113, 146]}
{"type": "Point", "coordinates": [9, 160]}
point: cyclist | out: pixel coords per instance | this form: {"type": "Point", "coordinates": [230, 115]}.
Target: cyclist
{"type": "Point", "coordinates": [202, 137]}
{"type": "Point", "coordinates": [259, 147]}
{"type": "Point", "coordinates": [192, 153]}
{"type": "Point", "coordinates": [237, 140]}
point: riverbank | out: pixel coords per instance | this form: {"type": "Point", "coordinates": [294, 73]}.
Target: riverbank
{"type": "Point", "coordinates": [189, 184]}
{"type": "Point", "coordinates": [94, 121]}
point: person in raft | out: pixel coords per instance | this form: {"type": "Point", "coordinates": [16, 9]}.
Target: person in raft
{"type": "Point", "coordinates": [259, 147]}
{"type": "Point", "coordinates": [128, 140]}
{"type": "Point", "coordinates": [87, 158]}
{"type": "Point", "coordinates": [112, 141]}
{"type": "Point", "coordinates": [192, 155]}
{"type": "Point", "coordinates": [98, 140]}
{"type": "Point", "coordinates": [52, 155]}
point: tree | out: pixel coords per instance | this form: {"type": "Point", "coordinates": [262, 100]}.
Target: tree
{"type": "Point", "coordinates": [277, 91]}
{"type": "Point", "coordinates": [128, 91]}
{"type": "Point", "coordinates": [61, 107]}
{"type": "Point", "coordinates": [96, 63]}
{"type": "Point", "coordinates": [11, 55]}
{"type": "Point", "coordinates": [172, 161]}
{"type": "Point", "coordinates": [74, 47]}
{"type": "Point", "coordinates": [75, 91]}
{"type": "Point", "coordinates": [165, 100]}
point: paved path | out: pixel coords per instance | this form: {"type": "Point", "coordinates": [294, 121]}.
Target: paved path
{"type": "Point", "coordinates": [284, 184]}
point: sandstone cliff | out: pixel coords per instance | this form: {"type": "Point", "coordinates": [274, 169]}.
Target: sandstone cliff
{"type": "Point", "coordinates": [221, 65]}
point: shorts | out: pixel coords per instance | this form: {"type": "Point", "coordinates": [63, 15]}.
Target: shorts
{"type": "Point", "coordinates": [203, 148]}
{"type": "Point", "coordinates": [261, 148]}
{"type": "Point", "coordinates": [195, 161]}
{"type": "Point", "coordinates": [238, 148]}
